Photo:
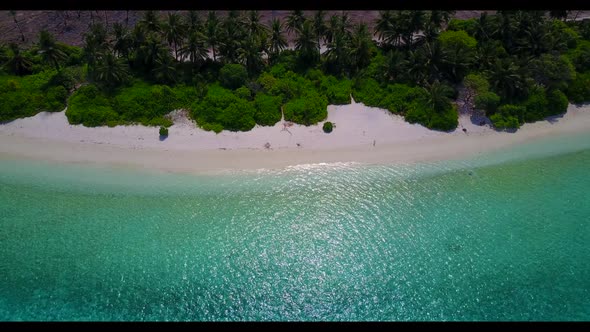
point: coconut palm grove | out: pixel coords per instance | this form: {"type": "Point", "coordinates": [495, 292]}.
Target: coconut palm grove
{"type": "Point", "coordinates": [232, 72]}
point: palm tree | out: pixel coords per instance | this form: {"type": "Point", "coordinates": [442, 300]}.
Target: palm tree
{"type": "Point", "coordinates": [165, 69]}
{"type": "Point", "coordinates": [440, 17]}
{"type": "Point", "coordinates": [277, 41]}
{"type": "Point", "coordinates": [232, 36]}
{"type": "Point", "coordinates": [250, 55]}
{"type": "Point", "coordinates": [306, 43]}
{"type": "Point", "coordinates": [111, 70]}
{"type": "Point", "coordinates": [193, 21]}
{"type": "Point", "coordinates": [123, 40]}
{"type": "Point", "coordinates": [295, 21]}
{"type": "Point", "coordinates": [319, 25]}
{"type": "Point", "coordinates": [253, 25]}
{"type": "Point", "coordinates": [13, 14]}
{"type": "Point", "coordinates": [433, 58]}
{"type": "Point", "coordinates": [212, 32]}
{"type": "Point", "coordinates": [50, 50]}
{"type": "Point", "coordinates": [150, 51]}
{"type": "Point", "coordinates": [175, 32]}
{"type": "Point", "coordinates": [338, 52]}
{"type": "Point", "coordinates": [485, 27]}
{"type": "Point", "coordinates": [505, 77]}
{"type": "Point", "coordinates": [417, 69]}
{"type": "Point", "coordinates": [410, 21]}
{"type": "Point", "coordinates": [345, 24]}
{"type": "Point", "coordinates": [151, 22]}
{"type": "Point", "coordinates": [95, 43]}
{"type": "Point", "coordinates": [439, 96]}
{"type": "Point", "coordinates": [195, 48]}
{"type": "Point", "coordinates": [18, 63]}
{"type": "Point", "coordinates": [395, 66]}
{"type": "Point", "coordinates": [386, 29]}
{"type": "Point", "coordinates": [360, 47]}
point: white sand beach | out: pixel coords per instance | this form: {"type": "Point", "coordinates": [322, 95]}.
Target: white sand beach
{"type": "Point", "coordinates": [361, 134]}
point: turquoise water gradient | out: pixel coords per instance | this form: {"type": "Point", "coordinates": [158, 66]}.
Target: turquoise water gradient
{"type": "Point", "coordinates": [503, 236]}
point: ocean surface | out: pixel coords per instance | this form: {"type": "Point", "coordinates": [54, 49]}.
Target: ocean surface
{"type": "Point", "coordinates": [502, 236]}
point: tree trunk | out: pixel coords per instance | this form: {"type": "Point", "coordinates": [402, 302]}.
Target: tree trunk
{"type": "Point", "coordinates": [127, 18]}
{"type": "Point", "coordinates": [106, 19]}
{"type": "Point", "coordinates": [22, 35]}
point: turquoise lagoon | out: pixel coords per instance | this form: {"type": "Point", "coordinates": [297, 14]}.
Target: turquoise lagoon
{"type": "Point", "coordinates": [499, 236]}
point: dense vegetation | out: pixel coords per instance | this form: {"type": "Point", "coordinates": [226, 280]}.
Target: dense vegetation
{"type": "Point", "coordinates": [234, 72]}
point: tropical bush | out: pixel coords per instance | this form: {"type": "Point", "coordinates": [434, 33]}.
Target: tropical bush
{"type": "Point", "coordinates": [233, 75]}
{"type": "Point", "coordinates": [328, 127]}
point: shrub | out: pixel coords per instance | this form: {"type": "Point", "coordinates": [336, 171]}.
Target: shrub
{"type": "Point", "coordinates": [163, 131]}
{"type": "Point", "coordinates": [233, 75]}
{"type": "Point", "coordinates": [90, 107]}
{"type": "Point", "coordinates": [268, 109]}
{"type": "Point", "coordinates": [556, 103]}
{"type": "Point", "coordinates": [222, 109]}
{"type": "Point", "coordinates": [307, 110]}
{"type": "Point", "coordinates": [508, 116]}
{"type": "Point", "coordinates": [487, 101]}
{"type": "Point", "coordinates": [446, 120]}
{"type": "Point", "coordinates": [469, 25]}
{"type": "Point", "coordinates": [457, 39]}
{"type": "Point", "coordinates": [27, 95]}
{"type": "Point", "coordinates": [337, 91]}
{"type": "Point", "coordinates": [328, 127]}
{"type": "Point", "coordinates": [580, 56]}
{"type": "Point", "coordinates": [397, 98]}
{"type": "Point", "coordinates": [536, 106]}
{"type": "Point", "coordinates": [243, 92]}
{"type": "Point", "coordinates": [368, 92]}
{"type": "Point", "coordinates": [578, 90]}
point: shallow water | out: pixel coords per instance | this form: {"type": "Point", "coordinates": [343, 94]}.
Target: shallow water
{"type": "Point", "coordinates": [502, 236]}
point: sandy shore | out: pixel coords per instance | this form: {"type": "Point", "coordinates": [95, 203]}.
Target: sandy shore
{"type": "Point", "coordinates": [362, 134]}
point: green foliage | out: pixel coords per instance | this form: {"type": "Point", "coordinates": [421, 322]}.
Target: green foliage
{"type": "Point", "coordinates": [328, 127]}
{"type": "Point", "coordinates": [28, 95]}
{"type": "Point", "coordinates": [454, 39]}
{"type": "Point", "coordinates": [580, 56]}
{"type": "Point", "coordinates": [553, 71]}
{"type": "Point", "coordinates": [556, 102]}
{"type": "Point", "coordinates": [368, 91]}
{"type": "Point", "coordinates": [309, 109]}
{"type": "Point", "coordinates": [469, 25]}
{"type": "Point", "coordinates": [336, 91]}
{"type": "Point", "coordinates": [144, 102]}
{"type": "Point", "coordinates": [243, 92]}
{"type": "Point", "coordinates": [222, 109]}
{"type": "Point", "coordinates": [578, 90]}
{"type": "Point", "coordinates": [504, 122]}
{"type": "Point", "coordinates": [487, 101]}
{"type": "Point", "coordinates": [139, 103]}
{"type": "Point", "coordinates": [233, 76]}
{"type": "Point", "coordinates": [268, 109]}
{"type": "Point", "coordinates": [67, 77]}
{"type": "Point", "coordinates": [163, 131]}
{"type": "Point", "coordinates": [90, 107]}
{"type": "Point", "coordinates": [446, 120]}
{"type": "Point", "coordinates": [477, 83]}
{"type": "Point", "coordinates": [561, 31]}
{"type": "Point", "coordinates": [400, 98]}
{"type": "Point", "coordinates": [535, 106]}
{"type": "Point", "coordinates": [508, 116]}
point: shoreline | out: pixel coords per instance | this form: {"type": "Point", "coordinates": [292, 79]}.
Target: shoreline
{"type": "Point", "coordinates": [188, 149]}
